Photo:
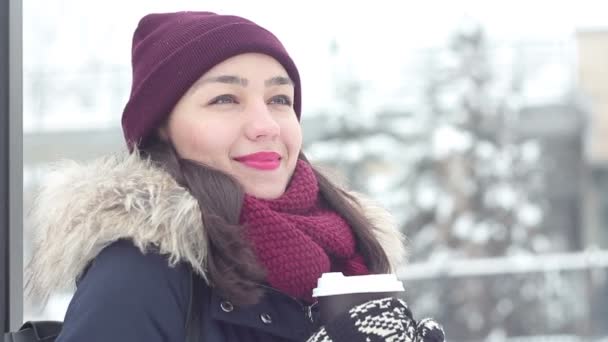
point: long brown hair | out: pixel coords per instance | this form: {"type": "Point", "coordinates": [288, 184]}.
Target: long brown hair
{"type": "Point", "coordinates": [231, 264]}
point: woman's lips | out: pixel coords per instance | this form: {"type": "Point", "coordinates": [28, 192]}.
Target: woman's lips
{"type": "Point", "coordinates": [261, 160]}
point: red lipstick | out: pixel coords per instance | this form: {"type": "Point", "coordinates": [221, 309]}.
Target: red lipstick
{"type": "Point", "coordinates": [261, 160]}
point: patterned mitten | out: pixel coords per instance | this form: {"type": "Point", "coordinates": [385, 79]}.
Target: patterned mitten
{"type": "Point", "coordinates": [387, 319]}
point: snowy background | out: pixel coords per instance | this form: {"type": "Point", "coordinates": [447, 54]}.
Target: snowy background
{"type": "Point", "coordinates": [470, 121]}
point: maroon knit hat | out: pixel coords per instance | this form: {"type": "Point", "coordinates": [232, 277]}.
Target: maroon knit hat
{"type": "Point", "coordinates": [172, 50]}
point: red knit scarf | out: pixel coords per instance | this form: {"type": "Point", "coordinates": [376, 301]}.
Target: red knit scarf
{"type": "Point", "coordinates": [296, 239]}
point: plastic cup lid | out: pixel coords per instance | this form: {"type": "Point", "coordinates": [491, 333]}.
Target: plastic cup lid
{"type": "Point", "coordinates": [335, 283]}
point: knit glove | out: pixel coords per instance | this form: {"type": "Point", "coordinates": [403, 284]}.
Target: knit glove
{"type": "Point", "coordinates": [387, 319]}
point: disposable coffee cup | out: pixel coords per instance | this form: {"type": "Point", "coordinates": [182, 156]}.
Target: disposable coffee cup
{"type": "Point", "coordinates": [336, 293]}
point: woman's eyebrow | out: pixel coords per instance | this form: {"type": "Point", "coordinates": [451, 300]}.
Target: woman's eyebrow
{"type": "Point", "coordinates": [232, 79]}
{"type": "Point", "coordinates": [278, 80]}
{"type": "Point", "coordinates": [228, 79]}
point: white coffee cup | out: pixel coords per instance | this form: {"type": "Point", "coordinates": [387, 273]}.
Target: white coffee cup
{"type": "Point", "coordinates": [337, 293]}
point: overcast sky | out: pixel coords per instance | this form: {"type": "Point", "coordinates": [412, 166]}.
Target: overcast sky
{"type": "Point", "coordinates": [376, 37]}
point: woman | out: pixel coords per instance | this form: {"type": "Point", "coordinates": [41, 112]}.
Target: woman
{"type": "Point", "coordinates": [216, 183]}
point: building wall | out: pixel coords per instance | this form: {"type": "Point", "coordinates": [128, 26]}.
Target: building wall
{"type": "Point", "coordinates": [593, 81]}
{"type": "Point", "coordinates": [559, 129]}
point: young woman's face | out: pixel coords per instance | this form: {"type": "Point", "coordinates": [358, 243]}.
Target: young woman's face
{"type": "Point", "coordinates": [239, 118]}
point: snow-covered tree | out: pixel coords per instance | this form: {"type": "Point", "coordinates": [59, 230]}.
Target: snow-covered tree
{"type": "Point", "coordinates": [462, 181]}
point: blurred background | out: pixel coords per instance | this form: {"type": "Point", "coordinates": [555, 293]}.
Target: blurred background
{"type": "Point", "coordinates": [481, 125]}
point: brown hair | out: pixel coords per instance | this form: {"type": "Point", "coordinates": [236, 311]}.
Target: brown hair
{"type": "Point", "coordinates": [231, 264]}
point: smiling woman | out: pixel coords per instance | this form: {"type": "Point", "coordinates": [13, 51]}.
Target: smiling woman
{"type": "Point", "coordinates": [215, 186]}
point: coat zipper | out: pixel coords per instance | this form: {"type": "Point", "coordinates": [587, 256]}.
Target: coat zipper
{"type": "Point", "coordinates": [308, 310]}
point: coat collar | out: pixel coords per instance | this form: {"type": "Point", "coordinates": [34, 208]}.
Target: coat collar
{"type": "Point", "coordinates": [84, 207]}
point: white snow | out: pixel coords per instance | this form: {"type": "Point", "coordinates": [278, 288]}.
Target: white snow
{"type": "Point", "coordinates": [447, 140]}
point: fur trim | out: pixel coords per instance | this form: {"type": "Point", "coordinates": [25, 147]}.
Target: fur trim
{"type": "Point", "coordinates": [82, 208]}
{"type": "Point", "coordinates": [386, 232]}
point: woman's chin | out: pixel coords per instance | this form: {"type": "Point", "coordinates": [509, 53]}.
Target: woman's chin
{"type": "Point", "coordinates": [267, 192]}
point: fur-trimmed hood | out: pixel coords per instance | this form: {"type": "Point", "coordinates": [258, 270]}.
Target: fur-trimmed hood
{"type": "Point", "coordinates": [82, 208]}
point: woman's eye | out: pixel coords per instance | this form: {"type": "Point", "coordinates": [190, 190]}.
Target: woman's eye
{"type": "Point", "coordinates": [223, 99]}
{"type": "Point", "coordinates": [281, 100]}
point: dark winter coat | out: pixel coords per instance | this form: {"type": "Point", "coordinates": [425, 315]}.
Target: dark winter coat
{"type": "Point", "coordinates": [128, 236]}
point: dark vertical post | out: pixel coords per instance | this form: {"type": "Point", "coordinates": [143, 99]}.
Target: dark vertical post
{"type": "Point", "coordinates": [11, 165]}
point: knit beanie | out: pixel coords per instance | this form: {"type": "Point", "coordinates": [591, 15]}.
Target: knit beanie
{"type": "Point", "coordinates": [173, 50]}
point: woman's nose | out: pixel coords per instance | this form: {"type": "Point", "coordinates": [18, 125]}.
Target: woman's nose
{"type": "Point", "coordinates": [261, 124]}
